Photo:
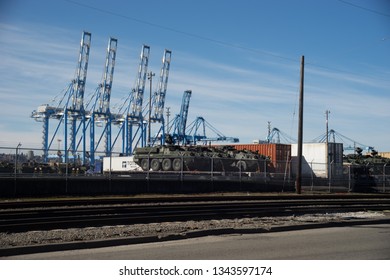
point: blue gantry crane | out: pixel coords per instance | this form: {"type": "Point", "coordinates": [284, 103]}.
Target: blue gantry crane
{"type": "Point", "coordinates": [100, 114]}
{"type": "Point", "coordinates": [72, 112]}
{"type": "Point", "coordinates": [157, 114]}
{"type": "Point", "coordinates": [130, 118]}
{"type": "Point", "coordinates": [348, 143]}
{"type": "Point", "coordinates": [277, 136]}
{"type": "Point", "coordinates": [197, 132]}
{"type": "Point", "coordinates": [179, 123]}
{"type": "Point", "coordinates": [76, 117]}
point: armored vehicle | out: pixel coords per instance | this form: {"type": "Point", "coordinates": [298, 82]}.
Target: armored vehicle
{"type": "Point", "coordinates": [197, 158]}
{"type": "Point", "coordinates": [373, 161]}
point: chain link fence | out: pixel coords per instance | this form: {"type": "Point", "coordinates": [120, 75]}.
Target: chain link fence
{"type": "Point", "coordinates": [18, 162]}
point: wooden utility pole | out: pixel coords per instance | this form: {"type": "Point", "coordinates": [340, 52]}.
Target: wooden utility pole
{"type": "Point", "coordinates": [298, 183]}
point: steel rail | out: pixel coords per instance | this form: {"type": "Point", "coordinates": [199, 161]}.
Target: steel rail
{"type": "Point", "coordinates": [20, 220]}
{"type": "Point", "coordinates": [88, 201]}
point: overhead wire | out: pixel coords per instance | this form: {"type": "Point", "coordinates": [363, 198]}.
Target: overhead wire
{"type": "Point", "coordinates": [364, 8]}
{"type": "Point", "coordinates": [189, 34]}
{"type": "Point", "coordinates": [225, 43]}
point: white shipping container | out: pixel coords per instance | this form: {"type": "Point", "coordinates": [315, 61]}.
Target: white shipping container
{"type": "Point", "coordinates": [119, 164]}
{"type": "Point", "coordinates": [314, 159]}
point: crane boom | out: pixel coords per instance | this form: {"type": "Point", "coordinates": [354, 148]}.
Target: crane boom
{"type": "Point", "coordinates": [184, 112]}
{"type": "Point", "coordinates": [101, 113]}
{"type": "Point", "coordinates": [106, 85]}
{"type": "Point", "coordinates": [138, 91]}
{"type": "Point", "coordinates": [159, 95]}
{"type": "Point", "coordinates": [81, 73]}
{"type": "Point", "coordinates": [180, 121]}
{"type": "Point", "coordinates": [76, 111]}
{"type": "Point", "coordinates": [132, 117]}
{"type": "Point", "coordinates": [198, 131]}
{"type": "Point", "coordinates": [72, 110]}
{"type": "Point", "coordinates": [275, 135]}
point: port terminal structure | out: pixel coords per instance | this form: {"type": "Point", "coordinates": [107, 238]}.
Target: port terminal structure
{"type": "Point", "coordinates": [93, 121]}
{"type": "Point", "coordinates": [81, 120]}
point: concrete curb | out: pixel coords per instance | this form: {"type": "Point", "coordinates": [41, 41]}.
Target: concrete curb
{"type": "Point", "coordinates": [23, 250]}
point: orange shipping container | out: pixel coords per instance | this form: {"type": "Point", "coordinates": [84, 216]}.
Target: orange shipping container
{"type": "Point", "coordinates": [276, 152]}
{"type": "Point", "coordinates": [279, 154]}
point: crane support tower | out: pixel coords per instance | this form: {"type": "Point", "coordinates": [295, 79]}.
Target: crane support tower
{"type": "Point", "coordinates": [101, 110]}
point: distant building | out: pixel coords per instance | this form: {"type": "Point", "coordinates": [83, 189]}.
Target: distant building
{"type": "Point", "coordinates": [384, 154]}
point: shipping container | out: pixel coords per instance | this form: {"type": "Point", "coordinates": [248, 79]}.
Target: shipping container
{"type": "Point", "coordinates": [279, 154]}
{"type": "Point", "coordinates": [276, 152]}
{"type": "Point", "coordinates": [316, 162]}
{"type": "Point", "coordinates": [119, 164]}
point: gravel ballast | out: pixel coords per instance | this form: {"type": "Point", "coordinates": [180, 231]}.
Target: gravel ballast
{"type": "Point", "coordinates": [9, 240]}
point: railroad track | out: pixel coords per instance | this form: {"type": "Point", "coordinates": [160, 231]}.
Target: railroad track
{"type": "Point", "coordinates": [95, 213]}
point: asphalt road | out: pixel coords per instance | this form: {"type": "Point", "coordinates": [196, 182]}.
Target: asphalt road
{"type": "Point", "coordinates": [350, 243]}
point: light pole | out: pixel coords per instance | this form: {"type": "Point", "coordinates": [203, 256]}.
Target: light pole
{"type": "Point", "coordinates": [150, 77]}
{"type": "Point", "coordinates": [167, 124]}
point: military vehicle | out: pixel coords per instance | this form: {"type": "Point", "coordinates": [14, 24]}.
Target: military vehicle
{"type": "Point", "coordinates": [197, 158]}
{"type": "Point", "coordinates": [372, 160]}
{"type": "Point", "coordinates": [366, 170]}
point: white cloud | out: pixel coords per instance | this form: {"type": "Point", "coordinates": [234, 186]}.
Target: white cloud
{"type": "Point", "coordinates": [238, 99]}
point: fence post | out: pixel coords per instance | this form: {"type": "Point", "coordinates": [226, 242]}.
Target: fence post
{"type": "Point", "coordinates": [312, 175]}
{"type": "Point", "coordinates": [239, 171]}
{"type": "Point", "coordinates": [16, 165]}
{"type": "Point", "coordinates": [212, 167]}
{"type": "Point", "coordinates": [330, 175]}
{"type": "Point", "coordinates": [181, 168]}
{"type": "Point", "coordinates": [110, 175]}
{"type": "Point", "coordinates": [349, 178]}
{"type": "Point", "coordinates": [148, 175]}
{"type": "Point", "coordinates": [66, 172]}
{"type": "Point", "coordinates": [384, 177]}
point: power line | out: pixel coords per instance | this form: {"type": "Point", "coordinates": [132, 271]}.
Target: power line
{"type": "Point", "coordinates": [364, 8]}
{"type": "Point", "coordinates": [332, 69]}
{"type": "Point", "coordinates": [220, 42]}
{"type": "Point", "coordinates": [193, 35]}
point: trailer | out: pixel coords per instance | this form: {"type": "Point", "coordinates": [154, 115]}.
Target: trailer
{"type": "Point", "coordinates": [119, 165]}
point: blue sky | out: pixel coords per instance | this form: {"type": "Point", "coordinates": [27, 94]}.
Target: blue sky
{"type": "Point", "coordinates": [241, 59]}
